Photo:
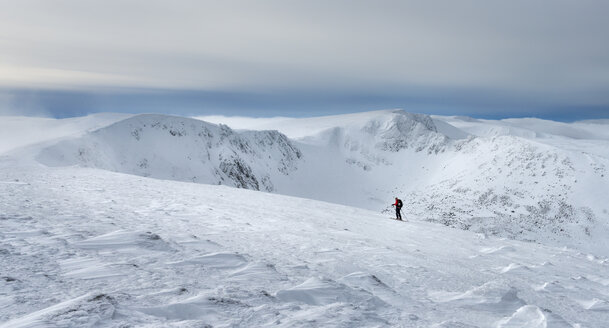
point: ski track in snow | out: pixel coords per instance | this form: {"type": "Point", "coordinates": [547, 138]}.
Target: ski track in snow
{"type": "Point", "coordinates": [84, 247]}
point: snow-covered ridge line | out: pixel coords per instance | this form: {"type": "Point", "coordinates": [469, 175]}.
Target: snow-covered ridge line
{"type": "Point", "coordinates": [178, 148]}
{"type": "Point", "coordinates": [20, 131]}
{"type": "Point", "coordinates": [520, 181]}
{"type": "Point", "coordinates": [389, 131]}
{"type": "Point", "coordinates": [531, 128]}
{"type": "Point", "coordinates": [527, 179]}
{"type": "Point", "coordinates": [297, 128]}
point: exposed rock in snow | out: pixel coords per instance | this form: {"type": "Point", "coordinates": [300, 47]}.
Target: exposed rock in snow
{"type": "Point", "coordinates": [181, 149]}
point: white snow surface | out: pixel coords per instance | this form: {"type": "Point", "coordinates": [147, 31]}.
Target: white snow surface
{"type": "Point", "coordinates": [89, 247]}
{"type": "Point", "coordinates": [101, 225]}
{"type": "Point", "coordinates": [526, 179]}
{"type": "Point", "coordinates": [20, 131]}
{"type": "Point", "coordinates": [178, 148]}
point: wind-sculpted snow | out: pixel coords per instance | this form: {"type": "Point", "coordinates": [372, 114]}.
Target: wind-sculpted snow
{"type": "Point", "coordinates": [182, 149]}
{"type": "Point", "coordinates": [83, 247]}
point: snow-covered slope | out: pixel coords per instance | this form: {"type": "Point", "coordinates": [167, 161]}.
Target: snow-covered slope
{"type": "Point", "coordinates": [19, 131]}
{"type": "Point", "coordinates": [524, 179]}
{"type": "Point", "coordinates": [584, 136]}
{"type": "Point", "coordinates": [509, 178]}
{"type": "Point", "coordinates": [88, 247]}
{"type": "Point", "coordinates": [519, 189]}
{"type": "Point", "coordinates": [81, 245]}
{"type": "Point", "coordinates": [178, 148]}
{"type": "Point", "coordinates": [530, 127]}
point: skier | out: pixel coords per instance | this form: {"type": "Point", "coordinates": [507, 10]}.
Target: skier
{"type": "Point", "coordinates": [398, 207]}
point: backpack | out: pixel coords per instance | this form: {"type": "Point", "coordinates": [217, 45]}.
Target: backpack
{"type": "Point", "coordinates": [399, 202]}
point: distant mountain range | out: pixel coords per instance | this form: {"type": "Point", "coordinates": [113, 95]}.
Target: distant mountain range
{"type": "Point", "coordinates": [525, 179]}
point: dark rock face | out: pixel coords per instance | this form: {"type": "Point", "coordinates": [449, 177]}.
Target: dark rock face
{"type": "Point", "coordinates": [240, 173]}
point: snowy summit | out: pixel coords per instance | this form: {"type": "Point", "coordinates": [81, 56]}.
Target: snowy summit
{"type": "Point", "coordinates": [115, 220]}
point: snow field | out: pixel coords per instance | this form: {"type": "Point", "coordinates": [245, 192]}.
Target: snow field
{"type": "Point", "coordinates": [523, 179]}
{"type": "Point", "coordinates": [19, 131]}
{"type": "Point", "coordinates": [83, 247]}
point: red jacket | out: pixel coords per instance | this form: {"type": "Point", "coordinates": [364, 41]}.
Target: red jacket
{"type": "Point", "coordinates": [397, 201]}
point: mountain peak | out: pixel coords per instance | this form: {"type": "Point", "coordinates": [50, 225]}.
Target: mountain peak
{"type": "Point", "coordinates": [178, 148]}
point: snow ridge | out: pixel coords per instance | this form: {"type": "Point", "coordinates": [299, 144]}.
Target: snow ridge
{"type": "Point", "coordinates": [509, 178]}
{"type": "Point", "coordinates": [83, 246]}
{"type": "Point", "coordinates": [182, 149]}
{"type": "Point", "coordinates": [524, 179]}
{"type": "Point", "coordinates": [391, 131]}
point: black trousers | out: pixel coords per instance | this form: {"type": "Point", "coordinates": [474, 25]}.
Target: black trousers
{"type": "Point", "coordinates": [398, 215]}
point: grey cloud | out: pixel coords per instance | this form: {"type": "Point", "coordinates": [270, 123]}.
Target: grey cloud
{"type": "Point", "coordinates": [544, 51]}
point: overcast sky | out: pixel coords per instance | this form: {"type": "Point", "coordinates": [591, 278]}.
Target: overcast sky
{"type": "Point", "coordinates": [298, 58]}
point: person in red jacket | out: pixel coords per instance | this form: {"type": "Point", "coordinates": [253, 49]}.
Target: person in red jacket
{"type": "Point", "coordinates": [398, 206]}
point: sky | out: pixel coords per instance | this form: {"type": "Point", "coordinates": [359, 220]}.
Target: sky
{"type": "Point", "coordinates": [481, 58]}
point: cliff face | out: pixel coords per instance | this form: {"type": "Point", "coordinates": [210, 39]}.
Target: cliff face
{"type": "Point", "coordinates": [181, 149]}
